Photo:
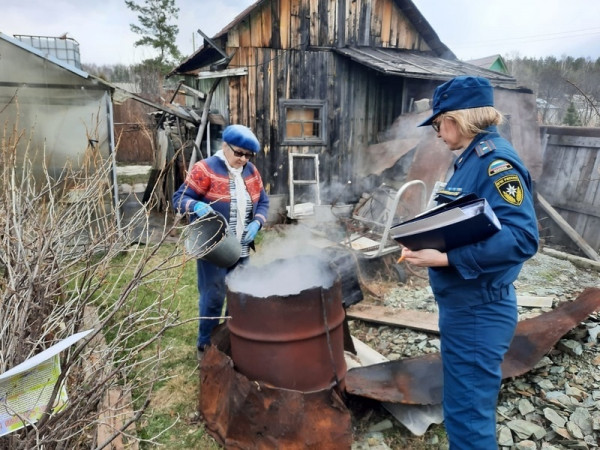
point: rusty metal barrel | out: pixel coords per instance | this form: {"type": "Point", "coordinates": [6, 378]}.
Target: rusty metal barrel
{"type": "Point", "coordinates": [286, 330]}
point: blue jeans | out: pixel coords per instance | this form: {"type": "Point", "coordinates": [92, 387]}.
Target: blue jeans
{"type": "Point", "coordinates": [474, 340]}
{"type": "Point", "coordinates": [212, 291]}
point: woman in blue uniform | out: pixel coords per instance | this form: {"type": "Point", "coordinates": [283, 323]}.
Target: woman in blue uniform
{"type": "Point", "coordinates": [473, 284]}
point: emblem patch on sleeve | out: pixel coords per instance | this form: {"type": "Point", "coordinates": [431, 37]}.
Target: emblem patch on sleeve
{"type": "Point", "coordinates": [497, 166]}
{"type": "Point", "coordinates": [511, 189]}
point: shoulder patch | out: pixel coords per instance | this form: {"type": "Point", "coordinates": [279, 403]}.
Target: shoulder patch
{"type": "Point", "coordinates": [485, 147]}
{"type": "Point", "coordinates": [510, 189]}
{"type": "Point", "coordinates": [497, 166]}
{"type": "Point", "coordinates": [448, 192]}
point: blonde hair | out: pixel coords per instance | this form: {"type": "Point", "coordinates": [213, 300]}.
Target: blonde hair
{"type": "Point", "coordinates": [472, 121]}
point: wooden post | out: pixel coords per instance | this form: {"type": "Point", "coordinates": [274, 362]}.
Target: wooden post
{"type": "Point", "coordinates": [115, 410]}
{"type": "Point", "coordinates": [203, 122]}
{"type": "Point", "coordinates": [562, 223]}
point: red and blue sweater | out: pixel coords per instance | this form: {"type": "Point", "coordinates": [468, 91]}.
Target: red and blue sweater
{"type": "Point", "coordinates": [208, 182]}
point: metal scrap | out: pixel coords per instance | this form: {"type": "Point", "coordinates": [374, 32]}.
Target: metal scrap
{"type": "Point", "coordinates": [420, 381]}
{"type": "Point", "coordinates": [240, 413]}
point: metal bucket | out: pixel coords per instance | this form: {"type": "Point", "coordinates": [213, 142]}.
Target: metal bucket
{"type": "Point", "coordinates": [210, 239]}
{"type": "Point", "coordinates": [291, 341]}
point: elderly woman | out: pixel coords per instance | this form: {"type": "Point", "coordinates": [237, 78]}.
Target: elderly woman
{"type": "Point", "coordinates": [230, 184]}
{"type": "Point", "coordinates": [473, 284]}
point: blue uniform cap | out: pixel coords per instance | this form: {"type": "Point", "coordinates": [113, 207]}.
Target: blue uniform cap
{"type": "Point", "coordinates": [463, 92]}
{"type": "Point", "coordinates": [242, 137]}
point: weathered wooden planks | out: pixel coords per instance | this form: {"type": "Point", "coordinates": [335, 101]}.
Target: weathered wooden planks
{"type": "Point", "coordinates": [571, 183]}
{"type": "Point", "coordinates": [421, 320]}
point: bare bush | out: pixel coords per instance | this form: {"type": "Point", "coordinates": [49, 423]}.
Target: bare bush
{"type": "Point", "coordinates": [62, 255]}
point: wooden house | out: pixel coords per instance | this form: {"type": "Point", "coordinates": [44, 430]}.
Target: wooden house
{"type": "Point", "coordinates": [325, 78]}
{"type": "Point", "coordinates": [493, 62]}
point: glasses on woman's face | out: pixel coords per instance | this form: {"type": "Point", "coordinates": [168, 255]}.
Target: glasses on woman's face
{"type": "Point", "coordinates": [436, 125]}
{"type": "Point", "coordinates": [239, 154]}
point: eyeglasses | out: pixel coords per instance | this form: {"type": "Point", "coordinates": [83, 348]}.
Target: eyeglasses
{"type": "Point", "coordinates": [436, 125]}
{"type": "Point", "coordinates": [240, 154]}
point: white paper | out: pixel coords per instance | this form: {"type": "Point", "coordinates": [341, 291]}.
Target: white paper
{"type": "Point", "coordinates": [25, 390]}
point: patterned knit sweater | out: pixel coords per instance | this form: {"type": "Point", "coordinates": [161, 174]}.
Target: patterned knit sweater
{"type": "Point", "coordinates": [208, 181]}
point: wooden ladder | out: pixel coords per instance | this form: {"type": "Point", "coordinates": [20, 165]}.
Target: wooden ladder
{"type": "Point", "coordinates": [294, 182]}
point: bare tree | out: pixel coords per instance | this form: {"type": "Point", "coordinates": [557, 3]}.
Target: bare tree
{"type": "Point", "coordinates": [62, 255]}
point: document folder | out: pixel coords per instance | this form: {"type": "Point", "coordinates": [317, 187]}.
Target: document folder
{"type": "Point", "coordinates": [463, 221]}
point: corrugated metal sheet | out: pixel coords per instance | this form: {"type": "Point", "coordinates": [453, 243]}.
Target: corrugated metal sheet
{"type": "Point", "coordinates": [411, 64]}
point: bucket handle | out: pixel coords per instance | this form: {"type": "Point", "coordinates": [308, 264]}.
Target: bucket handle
{"type": "Point", "coordinates": [335, 373]}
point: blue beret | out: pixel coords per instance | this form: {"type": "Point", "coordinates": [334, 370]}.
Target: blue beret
{"type": "Point", "coordinates": [242, 137]}
{"type": "Point", "coordinates": [462, 92]}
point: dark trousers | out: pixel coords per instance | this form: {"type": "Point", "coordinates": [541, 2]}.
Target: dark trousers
{"type": "Point", "coordinates": [212, 291]}
{"type": "Point", "coordinates": [473, 343]}
{"type": "Point", "coordinates": [211, 287]}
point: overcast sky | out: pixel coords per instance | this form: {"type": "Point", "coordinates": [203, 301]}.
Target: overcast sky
{"type": "Point", "coordinates": [470, 28]}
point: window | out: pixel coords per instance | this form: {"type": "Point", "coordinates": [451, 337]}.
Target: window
{"type": "Point", "coordinates": [303, 122]}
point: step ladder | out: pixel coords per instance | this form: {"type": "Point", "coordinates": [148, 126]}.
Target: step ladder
{"type": "Point", "coordinates": [294, 182]}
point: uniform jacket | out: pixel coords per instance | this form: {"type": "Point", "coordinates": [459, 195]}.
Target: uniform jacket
{"type": "Point", "coordinates": [485, 271]}
{"type": "Point", "coordinates": [208, 181]}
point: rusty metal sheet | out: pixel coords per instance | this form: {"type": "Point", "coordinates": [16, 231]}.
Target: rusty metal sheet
{"type": "Point", "coordinates": [414, 381]}
{"type": "Point", "coordinates": [420, 380]}
{"type": "Point", "coordinates": [245, 414]}
{"type": "Point", "coordinates": [383, 155]}
{"type": "Point", "coordinates": [535, 337]}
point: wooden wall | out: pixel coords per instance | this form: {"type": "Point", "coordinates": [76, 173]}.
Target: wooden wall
{"type": "Point", "coordinates": [295, 24]}
{"type": "Point", "coordinates": [134, 133]}
{"type": "Point", "coordinates": [360, 105]}
{"type": "Point", "coordinates": [286, 45]}
{"type": "Point", "coordinates": [570, 182]}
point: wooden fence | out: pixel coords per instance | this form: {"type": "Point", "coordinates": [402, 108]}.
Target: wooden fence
{"type": "Point", "coordinates": [570, 183]}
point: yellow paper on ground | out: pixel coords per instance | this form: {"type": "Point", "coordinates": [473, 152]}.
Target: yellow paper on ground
{"type": "Point", "coordinates": [25, 390]}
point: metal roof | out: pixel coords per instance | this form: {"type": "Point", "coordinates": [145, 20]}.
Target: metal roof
{"type": "Point", "coordinates": [53, 59]}
{"type": "Point", "coordinates": [413, 64]}
{"type": "Point", "coordinates": [207, 55]}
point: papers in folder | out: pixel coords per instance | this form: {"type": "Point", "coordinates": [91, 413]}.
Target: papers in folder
{"type": "Point", "coordinates": [463, 221]}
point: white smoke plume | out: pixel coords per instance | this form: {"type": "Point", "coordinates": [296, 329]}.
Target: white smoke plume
{"type": "Point", "coordinates": [285, 265]}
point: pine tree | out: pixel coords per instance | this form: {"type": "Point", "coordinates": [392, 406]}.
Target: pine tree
{"type": "Point", "coordinates": [155, 31]}
{"type": "Point", "coordinates": [572, 118]}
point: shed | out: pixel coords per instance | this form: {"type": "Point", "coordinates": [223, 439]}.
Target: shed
{"type": "Point", "coordinates": [326, 78]}
{"type": "Point", "coordinates": [493, 62]}
{"type": "Point", "coordinates": [61, 109]}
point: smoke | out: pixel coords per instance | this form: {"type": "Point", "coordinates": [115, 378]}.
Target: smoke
{"type": "Point", "coordinates": [288, 264]}
{"type": "Point", "coordinates": [337, 192]}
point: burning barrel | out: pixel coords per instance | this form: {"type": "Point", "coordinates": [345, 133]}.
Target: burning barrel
{"type": "Point", "coordinates": [286, 323]}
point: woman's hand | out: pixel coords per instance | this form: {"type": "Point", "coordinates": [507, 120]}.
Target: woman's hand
{"type": "Point", "coordinates": [427, 257]}
{"type": "Point", "coordinates": [251, 230]}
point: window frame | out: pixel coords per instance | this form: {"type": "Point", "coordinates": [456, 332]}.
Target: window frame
{"type": "Point", "coordinates": [286, 104]}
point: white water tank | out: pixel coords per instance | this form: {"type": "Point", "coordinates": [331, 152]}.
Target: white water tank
{"type": "Point", "coordinates": [64, 48]}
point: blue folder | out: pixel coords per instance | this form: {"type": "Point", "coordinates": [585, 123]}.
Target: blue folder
{"type": "Point", "coordinates": [464, 221]}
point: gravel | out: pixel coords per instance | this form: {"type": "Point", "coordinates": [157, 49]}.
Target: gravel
{"type": "Point", "coordinates": [556, 405]}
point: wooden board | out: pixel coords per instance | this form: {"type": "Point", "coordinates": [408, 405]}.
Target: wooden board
{"type": "Point", "coordinates": [421, 320]}
{"type": "Point", "coordinates": [564, 225]}
{"type": "Point", "coordinates": [534, 302]}
{"type": "Point", "coordinates": [418, 320]}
